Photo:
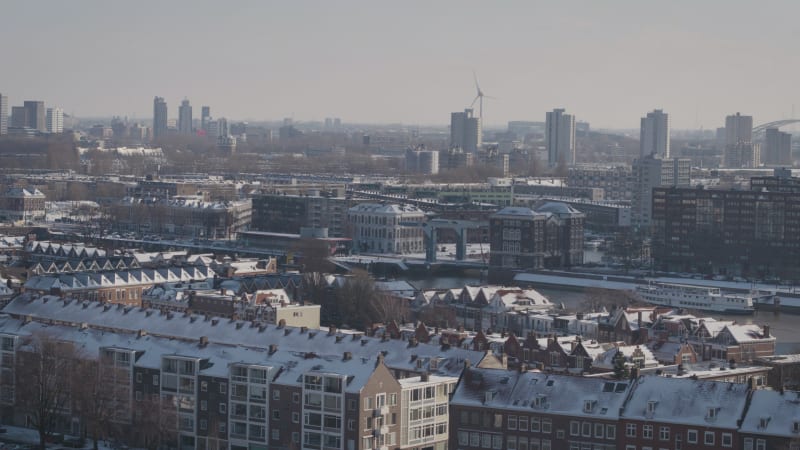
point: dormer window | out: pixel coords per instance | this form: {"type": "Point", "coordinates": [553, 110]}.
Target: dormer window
{"type": "Point", "coordinates": [763, 422]}
{"type": "Point", "coordinates": [539, 401]}
{"type": "Point", "coordinates": [796, 426]}
{"type": "Point", "coordinates": [588, 405]}
{"type": "Point", "coordinates": [712, 413]}
{"type": "Point", "coordinates": [488, 396]}
{"type": "Point", "coordinates": [651, 406]}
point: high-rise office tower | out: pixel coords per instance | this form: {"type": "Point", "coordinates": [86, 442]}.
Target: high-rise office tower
{"type": "Point", "coordinates": [17, 117]}
{"type": "Point", "coordinates": [652, 171]}
{"type": "Point", "coordinates": [185, 117]}
{"type": "Point", "coordinates": [465, 131]}
{"type": "Point", "coordinates": [205, 116]}
{"type": "Point", "coordinates": [35, 115]}
{"type": "Point", "coordinates": [3, 114]}
{"type": "Point", "coordinates": [560, 137]}
{"type": "Point", "coordinates": [55, 120]}
{"type": "Point", "coordinates": [222, 127]}
{"type": "Point", "coordinates": [739, 149]}
{"type": "Point", "coordinates": [778, 151]}
{"type": "Point", "coordinates": [159, 117]}
{"type": "Point", "coordinates": [654, 134]}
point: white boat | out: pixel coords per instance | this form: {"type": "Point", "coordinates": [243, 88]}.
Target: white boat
{"type": "Point", "coordinates": [701, 298]}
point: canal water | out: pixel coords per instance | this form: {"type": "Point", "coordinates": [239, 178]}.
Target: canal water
{"type": "Point", "coordinates": [783, 326]}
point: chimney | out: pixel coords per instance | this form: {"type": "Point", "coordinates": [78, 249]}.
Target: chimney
{"type": "Point", "coordinates": [412, 341]}
{"type": "Point", "coordinates": [522, 368]}
{"type": "Point", "coordinates": [281, 323]}
{"type": "Point", "coordinates": [331, 330]}
{"type": "Point", "coordinates": [286, 331]}
{"type": "Point", "coordinates": [273, 348]}
{"type": "Point", "coordinates": [356, 336]}
{"type": "Point", "coordinates": [639, 319]}
{"type": "Point", "coordinates": [634, 373]}
{"type": "Point", "coordinates": [766, 331]}
{"type": "Point", "coordinates": [214, 322]}
{"type": "Point", "coordinates": [203, 341]}
{"type": "Point", "coordinates": [339, 339]}
{"type": "Point", "coordinates": [141, 333]}
{"type": "Point", "coordinates": [379, 360]}
{"type": "Point", "coordinates": [425, 376]}
{"type": "Point", "coordinates": [347, 356]}
{"type": "Point", "coordinates": [303, 330]}
{"type": "Point", "coordinates": [504, 360]}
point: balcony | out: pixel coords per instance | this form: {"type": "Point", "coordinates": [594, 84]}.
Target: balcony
{"type": "Point", "coordinates": [381, 411]}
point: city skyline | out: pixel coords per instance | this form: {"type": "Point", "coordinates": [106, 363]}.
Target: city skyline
{"type": "Point", "coordinates": [604, 63]}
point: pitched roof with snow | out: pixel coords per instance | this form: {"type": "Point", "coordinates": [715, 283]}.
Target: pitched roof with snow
{"type": "Point", "coordinates": [772, 413]}
{"type": "Point", "coordinates": [710, 403]}
{"type": "Point", "coordinates": [533, 392]}
{"type": "Point", "coordinates": [399, 354]}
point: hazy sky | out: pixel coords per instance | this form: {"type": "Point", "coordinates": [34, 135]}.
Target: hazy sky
{"type": "Point", "coordinates": [607, 62]}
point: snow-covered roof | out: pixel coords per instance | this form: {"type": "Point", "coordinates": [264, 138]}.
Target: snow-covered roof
{"type": "Point", "coordinates": [399, 354]}
{"type": "Point", "coordinates": [714, 403]}
{"type": "Point", "coordinates": [516, 211]}
{"type": "Point", "coordinates": [389, 208]}
{"type": "Point", "coordinates": [533, 392]}
{"type": "Point", "coordinates": [772, 413]}
{"type": "Point", "coordinates": [557, 208]}
{"type": "Point", "coordinates": [96, 280]}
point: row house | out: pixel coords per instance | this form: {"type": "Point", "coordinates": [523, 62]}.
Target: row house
{"type": "Point", "coordinates": [83, 265]}
{"type": "Point", "coordinates": [731, 341]}
{"type": "Point", "coordinates": [123, 287]}
{"type": "Point", "coordinates": [53, 251]}
{"type": "Point", "coordinates": [683, 413]}
{"type": "Point", "coordinates": [500, 409]}
{"type": "Point", "coordinates": [306, 389]}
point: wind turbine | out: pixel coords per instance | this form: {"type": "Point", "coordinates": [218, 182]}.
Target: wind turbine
{"type": "Point", "coordinates": [479, 97]}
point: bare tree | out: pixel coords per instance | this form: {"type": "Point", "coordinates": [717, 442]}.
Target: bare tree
{"type": "Point", "coordinates": [46, 364]}
{"type": "Point", "coordinates": [386, 307]}
{"type": "Point", "coordinates": [313, 255]}
{"type": "Point", "coordinates": [101, 396]}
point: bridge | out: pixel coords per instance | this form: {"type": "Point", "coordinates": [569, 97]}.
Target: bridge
{"type": "Point", "coordinates": [758, 131]}
{"type": "Point", "coordinates": [459, 226]}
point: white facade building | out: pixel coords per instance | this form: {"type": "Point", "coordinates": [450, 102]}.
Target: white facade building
{"type": "Point", "coordinates": [54, 120]}
{"type": "Point", "coordinates": [377, 228]}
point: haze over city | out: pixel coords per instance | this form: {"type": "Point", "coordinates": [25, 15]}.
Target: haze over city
{"type": "Point", "coordinates": [409, 62]}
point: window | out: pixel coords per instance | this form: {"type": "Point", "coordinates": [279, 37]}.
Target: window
{"type": "Point", "coordinates": [630, 430]}
{"type": "Point", "coordinates": [647, 431]}
{"type": "Point", "coordinates": [138, 396]}
{"type": "Point", "coordinates": [574, 428]}
{"type": "Point", "coordinates": [463, 438]}
{"type": "Point", "coordinates": [761, 444]}
{"type": "Point", "coordinates": [203, 405]}
{"type": "Point", "coordinates": [511, 443]}
{"type": "Point", "coordinates": [547, 426]}
{"type": "Point", "coordinates": [691, 436]}
{"type": "Point", "coordinates": [296, 437]}
{"type": "Point", "coordinates": [276, 434]}
{"type": "Point", "coordinates": [497, 442]}
{"type": "Point", "coordinates": [203, 424]}
{"type": "Point", "coordinates": [222, 427]}
{"type": "Point", "coordinates": [611, 432]}
{"type": "Point", "coordinates": [522, 424]}
{"type": "Point", "coordinates": [486, 440]}
{"type": "Point", "coordinates": [392, 399]}
{"type": "Point", "coordinates": [223, 408]}
{"type": "Point", "coordinates": [223, 388]}
{"type": "Point", "coordinates": [155, 380]}
{"type": "Point", "coordinates": [138, 377]}
{"type": "Point", "coordinates": [708, 438]}
{"type": "Point", "coordinates": [727, 440]}
{"type": "Point", "coordinates": [586, 429]}
{"type": "Point", "coordinates": [598, 430]}
{"type": "Point", "coordinates": [276, 394]}
{"type": "Point", "coordinates": [276, 414]}
{"type": "Point", "coordinates": [295, 417]}
{"type": "Point", "coordinates": [663, 433]}
{"type": "Point", "coordinates": [512, 422]}
{"type": "Point", "coordinates": [368, 403]}
{"type": "Point", "coordinates": [535, 424]}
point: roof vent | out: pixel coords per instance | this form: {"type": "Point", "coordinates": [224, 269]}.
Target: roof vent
{"type": "Point", "coordinates": [141, 333]}
{"type": "Point", "coordinates": [273, 348]}
{"type": "Point", "coordinates": [347, 356]}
